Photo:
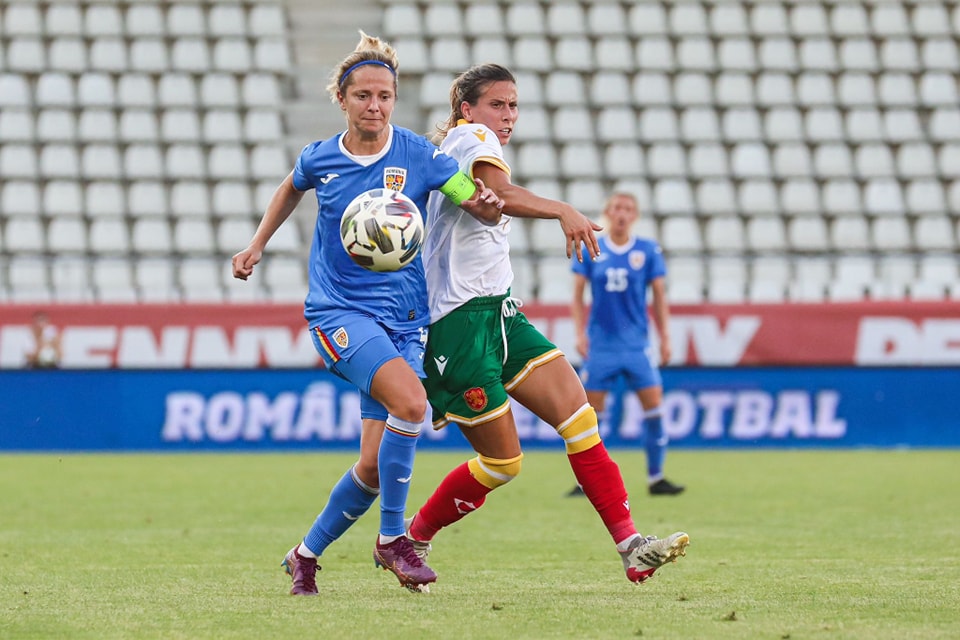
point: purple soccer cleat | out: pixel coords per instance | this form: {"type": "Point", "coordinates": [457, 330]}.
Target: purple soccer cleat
{"type": "Point", "coordinates": [303, 571]}
{"type": "Point", "coordinates": [401, 558]}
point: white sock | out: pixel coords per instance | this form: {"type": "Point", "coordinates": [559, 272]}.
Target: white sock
{"type": "Point", "coordinates": [303, 551]}
{"type": "Point", "coordinates": [385, 540]}
{"type": "Point", "coordinates": [623, 545]}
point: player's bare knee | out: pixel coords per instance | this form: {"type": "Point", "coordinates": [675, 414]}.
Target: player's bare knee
{"type": "Point", "coordinates": [409, 408]}
{"type": "Point", "coordinates": [495, 472]}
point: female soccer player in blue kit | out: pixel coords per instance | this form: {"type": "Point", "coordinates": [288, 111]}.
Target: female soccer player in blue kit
{"type": "Point", "coordinates": [613, 337]}
{"type": "Point", "coordinates": [370, 328]}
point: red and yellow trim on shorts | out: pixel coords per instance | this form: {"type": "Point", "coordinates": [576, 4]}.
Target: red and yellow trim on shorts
{"type": "Point", "coordinates": [528, 368]}
{"type": "Point", "coordinates": [327, 345]}
{"type": "Point", "coordinates": [463, 421]}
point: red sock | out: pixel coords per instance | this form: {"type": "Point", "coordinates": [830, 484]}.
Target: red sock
{"type": "Point", "coordinates": [600, 478]}
{"type": "Point", "coordinates": [457, 495]}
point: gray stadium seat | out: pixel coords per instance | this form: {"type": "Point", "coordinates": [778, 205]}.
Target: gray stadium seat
{"type": "Point", "coordinates": [67, 235]}
{"type": "Point", "coordinates": [144, 20]}
{"type": "Point", "coordinates": [97, 125]}
{"type": "Point", "coordinates": [443, 19]}
{"type": "Point", "coordinates": [190, 198]}
{"type": "Point", "coordinates": [227, 20]}
{"type": "Point", "coordinates": [194, 236]}
{"type": "Point", "coordinates": [149, 55]}
{"type": "Point", "coordinates": [106, 199]}
{"type": "Point", "coordinates": [400, 20]}
{"type": "Point", "coordinates": [18, 161]}
{"type": "Point", "coordinates": [729, 20]}
{"type": "Point", "coordinates": [112, 280]}
{"type": "Point", "coordinates": [56, 125]}
{"type": "Point", "coordinates": [483, 20]}
{"type": "Point", "coordinates": [67, 55]}
{"type": "Point", "coordinates": [25, 234]}
{"type": "Point", "coordinates": [19, 198]}
{"type": "Point", "coordinates": [155, 281]}
{"type": "Point", "coordinates": [716, 197]}
{"type": "Point", "coordinates": [525, 18]}
{"type": "Point", "coordinates": [109, 237]}
{"type": "Point", "coordinates": [108, 54]}
{"type": "Point", "coordinates": [758, 198]}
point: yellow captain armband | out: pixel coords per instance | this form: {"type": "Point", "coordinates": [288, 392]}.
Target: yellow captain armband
{"type": "Point", "coordinates": [459, 188]}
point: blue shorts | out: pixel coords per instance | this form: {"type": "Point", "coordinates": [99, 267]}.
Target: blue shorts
{"type": "Point", "coordinates": [601, 370]}
{"type": "Point", "coordinates": [354, 346]}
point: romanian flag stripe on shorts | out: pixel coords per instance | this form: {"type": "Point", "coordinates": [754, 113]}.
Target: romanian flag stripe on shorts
{"type": "Point", "coordinates": [327, 345]}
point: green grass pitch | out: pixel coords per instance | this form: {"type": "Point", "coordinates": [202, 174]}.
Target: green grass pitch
{"type": "Point", "coordinates": [785, 544]}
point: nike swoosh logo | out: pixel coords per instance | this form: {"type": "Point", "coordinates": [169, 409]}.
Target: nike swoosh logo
{"type": "Point", "coordinates": [348, 516]}
{"type": "Point", "coordinates": [330, 176]}
{"type": "Point", "coordinates": [404, 480]}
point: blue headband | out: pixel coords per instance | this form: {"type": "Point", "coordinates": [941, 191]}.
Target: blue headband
{"type": "Point", "coordinates": [360, 64]}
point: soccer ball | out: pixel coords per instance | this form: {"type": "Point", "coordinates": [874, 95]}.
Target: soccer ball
{"type": "Point", "coordinates": [382, 230]}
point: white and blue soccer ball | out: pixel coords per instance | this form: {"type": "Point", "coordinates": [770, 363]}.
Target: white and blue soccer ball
{"type": "Point", "coordinates": [382, 230]}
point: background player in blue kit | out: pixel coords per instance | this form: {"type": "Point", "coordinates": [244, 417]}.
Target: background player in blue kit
{"type": "Point", "coordinates": [613, 336]}
{"type": "Point", "coordinates": [370, 328]}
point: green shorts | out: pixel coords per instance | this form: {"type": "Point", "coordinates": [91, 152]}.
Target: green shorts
{"type": "Point", "coordinates": [468, 379]}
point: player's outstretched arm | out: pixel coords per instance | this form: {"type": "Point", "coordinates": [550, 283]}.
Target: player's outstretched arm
{"type": "Point", "coordinates": [579, 230]}
{"type": "Point", "coordinates": [284, 200]}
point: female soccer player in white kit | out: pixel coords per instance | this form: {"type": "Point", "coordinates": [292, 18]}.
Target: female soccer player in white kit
{"type": "Point", "coordinates": [481, 348]}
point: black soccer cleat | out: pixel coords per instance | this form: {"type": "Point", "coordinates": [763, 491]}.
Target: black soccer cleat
{"type": "Point", "coordinates": [664, 487]}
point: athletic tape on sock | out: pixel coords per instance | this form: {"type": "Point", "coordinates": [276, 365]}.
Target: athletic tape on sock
{"type": "Point", "coordinates": [580, 431]}
{"type": "Point", "coordinates": [494, 472]}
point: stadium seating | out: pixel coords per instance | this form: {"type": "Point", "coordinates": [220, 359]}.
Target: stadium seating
{"type": "Point", "coordinates": [132, 139]}
{"type": "Point", "coordinates": [772, 145]}
{"type": "Point", "coordinates": [818, 132]}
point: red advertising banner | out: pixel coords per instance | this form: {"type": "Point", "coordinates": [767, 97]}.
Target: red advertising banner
{"type": "Point", "coordinates": [247, 336]}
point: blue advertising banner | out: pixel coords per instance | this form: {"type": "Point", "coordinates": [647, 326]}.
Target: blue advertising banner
{"type": "Point", "coordinates": [247, 410]}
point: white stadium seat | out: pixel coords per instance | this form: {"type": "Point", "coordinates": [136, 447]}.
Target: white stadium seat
{"type": "Point", "coordinates": [67, 55]}
{"type": "Point", "coordinates": [62, 198]}
{"type": "Point", "coordinates": [190, 198]}
{"type": "Point", "coordinates": [850, 233]}
{"type": "Point", "coordinates": [716, 197]}
{"type": "Point", "coordinates": [106, 199]}
{"type": "Point", "coordinates": [112, 279]}
{"type": "Point", "coordinates": [19, 198]}
{"type": "Point", "coordinates": [728, 20]}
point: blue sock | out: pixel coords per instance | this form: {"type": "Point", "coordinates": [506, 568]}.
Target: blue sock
{"type": "Point", "coordinates": [349, 500]}
{"type": "Point", "coordinates": [397, 450]}
{"type": "Point", "coordinates": [655, 443]}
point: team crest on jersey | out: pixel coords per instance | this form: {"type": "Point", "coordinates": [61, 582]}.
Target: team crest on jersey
{"type": "Point", "coordinates": [341, 338]}
{"type": "Point", "coordinates": [637, 259]}
{"type": "Point", "coordinates": [394, 178]}
{"type": "Point", "coordinates": [475, 398]}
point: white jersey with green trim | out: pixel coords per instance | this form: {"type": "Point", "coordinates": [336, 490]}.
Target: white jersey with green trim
{"type": "Point", "coordinates": [462, 257]}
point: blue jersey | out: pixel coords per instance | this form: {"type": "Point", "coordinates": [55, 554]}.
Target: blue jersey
{"type": "Point", "coordinates": [408, 163]}
{"type": "Point", "coordinates": [619, 278]}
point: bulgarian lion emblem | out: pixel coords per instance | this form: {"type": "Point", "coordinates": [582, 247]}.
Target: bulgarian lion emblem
{"type": "Point", "coordinates": [476, 398]}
